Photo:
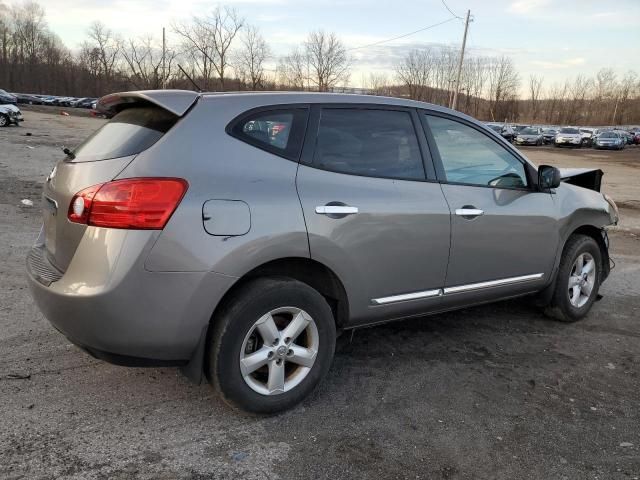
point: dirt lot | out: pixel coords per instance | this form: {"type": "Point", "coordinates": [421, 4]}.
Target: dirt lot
{"type": "Point", "coordinates": [484, 393]}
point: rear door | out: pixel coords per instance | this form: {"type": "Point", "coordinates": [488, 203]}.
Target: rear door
{"type": "Point", "coordinates": [504, 232]}
{"type": "Point", "coordinates": [373, 213]}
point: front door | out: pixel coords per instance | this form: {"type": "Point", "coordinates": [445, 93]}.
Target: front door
{"type": "Point", "coordinates": [504, 234]}
{"type": "Point", "coordinates": [371, 214]}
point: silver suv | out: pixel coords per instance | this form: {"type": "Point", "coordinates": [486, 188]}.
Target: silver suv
{"type": "Point", "coordinates": [236, 234]}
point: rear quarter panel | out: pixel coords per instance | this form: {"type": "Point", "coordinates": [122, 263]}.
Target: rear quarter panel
{"type": "Point", "coordinates": [218, 166]}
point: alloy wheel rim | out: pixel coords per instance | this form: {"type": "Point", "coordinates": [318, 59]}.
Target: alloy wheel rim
{"type": "Point", "coordinates": [279, 350]}
{"type": "Point", "coordinates": [582, 279]}
{"type": "Point", "coordinates": [3, 120]}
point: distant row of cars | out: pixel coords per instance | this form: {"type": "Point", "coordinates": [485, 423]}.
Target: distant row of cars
{"type": "Point", "coordinates": [599, 138]}
{"type": "Point", "coordinates": [54, 100]}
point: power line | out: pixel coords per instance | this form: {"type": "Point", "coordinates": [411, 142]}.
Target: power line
{"type": "Point", "coordinates": [447, 7]}
{"type": "Point", "coordinates": [403, 36]}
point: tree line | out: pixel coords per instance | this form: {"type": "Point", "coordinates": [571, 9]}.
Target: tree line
{"type": "Point", "coordinates": [221, 51]}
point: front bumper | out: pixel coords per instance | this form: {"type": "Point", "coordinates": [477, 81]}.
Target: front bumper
{"type": "Point", "coordinates": [568, 142]}
{"type": "Point", "coordinates": [109, 305]}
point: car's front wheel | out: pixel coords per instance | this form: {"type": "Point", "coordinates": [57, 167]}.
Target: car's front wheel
{"type": "Point", "coordinates": [271, 344]}
{"type": "Point", "coordinates": [4, 120]}
{"type": "Point", "coordinates": [578, 279]}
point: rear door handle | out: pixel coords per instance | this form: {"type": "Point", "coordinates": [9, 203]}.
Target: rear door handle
{"type": "Point", "coordinates": [336, 210]}
{"type": "Point", "coordinates": [469, 212]}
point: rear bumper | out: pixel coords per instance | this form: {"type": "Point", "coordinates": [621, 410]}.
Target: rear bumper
{"type": "Point", "coordinates": [109, 305]}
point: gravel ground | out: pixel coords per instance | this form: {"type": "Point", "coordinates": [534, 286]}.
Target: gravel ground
{"type": "Point", "coordinates": [484, 393]}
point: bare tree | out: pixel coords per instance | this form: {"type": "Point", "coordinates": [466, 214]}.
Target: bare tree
{"type": "Point", "coordinates": [415, 70]}
{"type": "Point", "coordinates": [106, 47]}
{"type": "Point", "coordinates": [328, 60]}
{"type": "Point", "coordinates": [535, 87]}
{"type": "Point", "coordinates": [250, 63]}
{"type": "Point", "coordinates": [504, 82]}
{"type": "Point", "coordinates": [208, 41]}
{"type": "Point", "coordinates": [143, 62]}
{"type": "Point", "coordinates": [292, 70]}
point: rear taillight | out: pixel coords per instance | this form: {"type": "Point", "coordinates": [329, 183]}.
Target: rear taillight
{"type": "Point", "coordinates": [135, 203]}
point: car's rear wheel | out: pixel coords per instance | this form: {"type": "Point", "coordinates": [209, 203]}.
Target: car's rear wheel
{"type": "Point", "coordinates": [4, 120]}
{"type": "Point", "coordinates": [271, 344]}
{"type": "Point", "coordinates": [578, 279]}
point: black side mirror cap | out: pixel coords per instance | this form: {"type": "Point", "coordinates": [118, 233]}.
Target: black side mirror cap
{"type": "Point", "coordinates": [548, 177]}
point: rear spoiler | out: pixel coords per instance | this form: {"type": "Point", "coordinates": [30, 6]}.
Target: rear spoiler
{"type": "Point", "coordinates": [590, 178]}
{"type": "Point", "coordinates": [174, 101]}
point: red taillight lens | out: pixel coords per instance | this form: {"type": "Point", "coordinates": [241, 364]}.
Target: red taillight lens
{"type": "Point", "coordinates": [135, 203]}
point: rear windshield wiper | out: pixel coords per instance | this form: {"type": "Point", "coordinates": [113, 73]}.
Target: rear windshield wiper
{"type": "Point", "coordinates": [69, 153]}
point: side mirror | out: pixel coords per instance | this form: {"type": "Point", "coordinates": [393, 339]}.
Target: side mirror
{"type": "Point", "coordinates": [548, 177]}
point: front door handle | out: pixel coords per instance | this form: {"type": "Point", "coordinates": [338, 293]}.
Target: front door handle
{"type": "Point", "coordinates": [469, 212]}
{"type": "Point", "coordinates": [336, 210]}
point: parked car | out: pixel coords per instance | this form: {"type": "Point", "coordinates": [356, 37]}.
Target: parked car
{"type": "Point", "coordinates": [244, 258]}
{"type": "Point", "coordinates": [85, 103]}
{"type": "Point", "coordinates": [10, 114]}
{"type": "Point", "coordinates": [626, 136]}
{"type": "Point", "coordinates": [568, 136]}
{"type": "Point", "coordinates": [587, 137]}
{"type": "Point", "coordinates": [636, 138]}
{"type": "Point", "coordinates": [549, 135]}
{"type": "Point", "coordinates": [530, 136]}
{"type": "Point", "coordinates": [609, 140]}
{"type": "Point", "coordinates": [7, 98]}
{"type": "Point", "coordinates": [27, 98]}
{"type": "Point", "coordinates": [506, 131]}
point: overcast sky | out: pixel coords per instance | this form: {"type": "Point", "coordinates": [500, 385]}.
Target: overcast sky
{"type": "Point", "coordinates": [553, 38]}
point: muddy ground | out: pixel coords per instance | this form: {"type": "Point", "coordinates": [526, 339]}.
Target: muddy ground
{"type": "Point", "coordinates": [485, 393]}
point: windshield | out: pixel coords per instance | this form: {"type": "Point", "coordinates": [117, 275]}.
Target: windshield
{"type": "Point", "coordinates": [497, 128]}
{"type": "Point", "coordinates": [550, 130]}
{"type": "Point", "coordinates": [569, 130]}
{"type": "Point", "coordinates": [529, 131]}
{"type": "Point", "coordinates": [608, 135]}
{"type": "Point", "coordinates": [129, 132]}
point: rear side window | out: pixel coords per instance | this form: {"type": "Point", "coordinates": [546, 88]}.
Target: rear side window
{"type": "Point", "coordinates": [374, 143]}
{"type": "Point", "coordinates": [129, 132]}
{"type": "Point", "coordinates": [279, 131]}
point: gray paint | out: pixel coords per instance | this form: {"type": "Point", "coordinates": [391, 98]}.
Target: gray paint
{"type": "Point", "coordinates": [151, 294]}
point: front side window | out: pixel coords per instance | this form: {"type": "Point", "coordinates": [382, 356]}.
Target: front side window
{"type": "Point", "coordinates": [470, 157]}
{"type": "Point", "coordinates": [368, 142]}
{"type": "Point", "coordinates": [279, 131]}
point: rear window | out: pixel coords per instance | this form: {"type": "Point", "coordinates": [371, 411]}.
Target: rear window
{"type": "Point", "coordinates": [129, 132]}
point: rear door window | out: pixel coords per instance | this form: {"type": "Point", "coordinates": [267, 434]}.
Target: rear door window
{"type": "Point", "coordinates": [368, 142]}
{"type": "Point", "coordinates": [279, 131]}
{"type": "Point", "coordinates": [129, 132]}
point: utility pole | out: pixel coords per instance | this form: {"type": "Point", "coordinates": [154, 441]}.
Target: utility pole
{"type": "Point", "coordinates": [164, 54]}
{"type": "Point", "coordinates": [464, 44]}
{"type": "Point", "coordinates": [615, 111]}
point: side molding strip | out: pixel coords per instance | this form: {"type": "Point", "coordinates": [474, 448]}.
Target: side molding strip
{"type": "Point", "coordinates": [459, 289]}
{"type": "Point", "coordinates": [407, 296]}
{"type": "Point", "coordinates": [493, 283]}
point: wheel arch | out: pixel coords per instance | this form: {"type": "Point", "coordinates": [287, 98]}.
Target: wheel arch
{"type": "Point", "coordinates": [544, 297]}
{"type": "Point", "coordinates": [311, 272]}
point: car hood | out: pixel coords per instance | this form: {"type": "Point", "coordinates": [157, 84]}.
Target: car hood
{"type": "Point", "coordinates": [569, 135]}
{"type": "Point", "coordinates": [590, 178]}
{"type": "Point", "coordinates": [8, 107]}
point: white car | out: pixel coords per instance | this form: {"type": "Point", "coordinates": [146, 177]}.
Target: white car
{"type": "Point", "coordinates": [10, 114]}
{"type": "Point", "coordinates": [568, 137]}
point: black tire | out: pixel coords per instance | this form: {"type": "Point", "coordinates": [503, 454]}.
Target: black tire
{"type": "Point", "coordinates": [4, 120]}
{"type": "Point", "coordinates": [234, 321]}
{"type": "Point", "coordinates": [560, 307]}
